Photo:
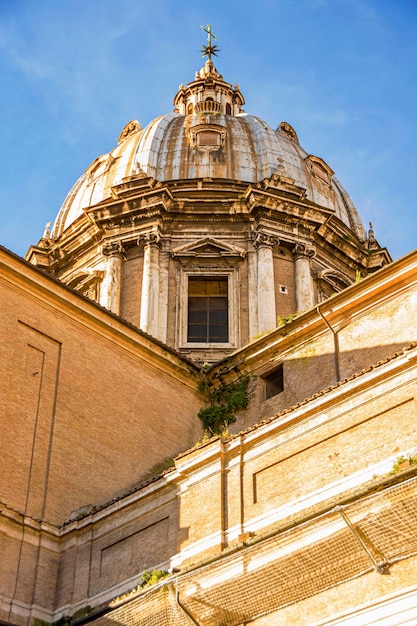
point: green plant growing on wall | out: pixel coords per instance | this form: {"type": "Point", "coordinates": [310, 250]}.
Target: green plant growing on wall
{"type": "Point", "coordinates": [403, 463]}
{"type": "Point", "coordinates": [283, 320]}
{"type": "Point", "coordinates": [150, 578]}
{"type": "Point", "coordinates": [225, 402]}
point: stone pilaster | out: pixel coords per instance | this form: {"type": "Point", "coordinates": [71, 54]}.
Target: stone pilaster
{"type": "Point", "coordinates": [267, 318]}
{"type": "Point", "coordinates": [163, 296]}
{"type": "Point", "coordinates": [304, 286]}
{"type": "Point", "coordinates": [112, 284]}
{"type": "Point", "coordinates": [149, 309]}
{"type": "Point", "coordinates": [252, 295]}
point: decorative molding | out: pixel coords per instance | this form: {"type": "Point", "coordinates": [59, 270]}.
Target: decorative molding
{"type": "Point", "coordinates": [207, 136]}
{"type": "Point", "coordinates": [87, 282]}
{"type": "Point", "coordinates": [112, 248]}
{"type": "Point", "coordinates": [208, 247]}
{"type": "Point", "coordinates": [335, 279]}
{"type": "Point", "coordinates": [129, 129]}
{"type": "Point", "coordinates": [150, 238]}
{"type": "Point", "coordinates": [287, 130]}
{"type": "Point", "coordinates": [265, 239]}
{"type": "Point", "coordinates": [302, 250]}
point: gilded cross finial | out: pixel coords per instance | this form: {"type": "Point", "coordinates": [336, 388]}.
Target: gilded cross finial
{"type": "Point", "coordinates": [210, 49]}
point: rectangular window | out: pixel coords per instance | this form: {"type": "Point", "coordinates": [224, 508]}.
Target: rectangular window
{"type": "Point", "coordinates": [207, 138]}
{"type": "Point", "coordinates": [274, 382]}
{"type": "Point", "coordinates": [208, 309]}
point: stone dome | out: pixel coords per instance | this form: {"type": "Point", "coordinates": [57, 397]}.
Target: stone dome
{"type": "Point", "coordinates": [208, 136]}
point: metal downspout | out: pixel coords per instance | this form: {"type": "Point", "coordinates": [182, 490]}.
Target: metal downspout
{"type": "Point", "coordinates": [335, 343]}
{"type": "Point", "coordinates": [182, 607]}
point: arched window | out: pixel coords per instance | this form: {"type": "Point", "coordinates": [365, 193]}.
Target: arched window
{"type": "Point", "coordinates": [190, 109]}
{"type": "Point", "coordinates": [228, 109]}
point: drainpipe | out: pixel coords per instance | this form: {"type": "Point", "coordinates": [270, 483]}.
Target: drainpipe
{"type": "Point", "coordinates": [182, 607]}
{"type": "Point", "coordinates": [335, 343]}
{"type": "Point", "coordinates": [241, 484]}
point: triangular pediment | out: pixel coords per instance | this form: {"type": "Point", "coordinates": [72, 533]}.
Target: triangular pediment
{"type": "Point", "coordinates": [208, 247]}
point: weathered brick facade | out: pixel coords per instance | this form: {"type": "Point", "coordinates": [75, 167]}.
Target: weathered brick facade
{"type": "Point", "coordinates": [79, 520]}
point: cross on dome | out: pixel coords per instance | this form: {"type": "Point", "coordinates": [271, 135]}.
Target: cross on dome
{"type": "Point", "coordinates": [209, 49]}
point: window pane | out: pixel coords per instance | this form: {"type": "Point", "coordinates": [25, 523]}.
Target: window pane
{"type": "Point", "coordinates": [197, 333]}
{"type": "Point", "coordinates": [213, 286]}
{"type": "Point", "coordinates": [218, 304]}
{"type": "Point", "coordinates": [196, 286]}
{"type": "Point", "coordinates": [197, 310]}
{"type": "Point", "coordinates": [218, 334]}
{"type": "Point", "coordinates": [208, 309]}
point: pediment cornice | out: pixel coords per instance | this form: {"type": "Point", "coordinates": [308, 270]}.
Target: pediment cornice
{"type": "Point", "coordinates": [208, 247]}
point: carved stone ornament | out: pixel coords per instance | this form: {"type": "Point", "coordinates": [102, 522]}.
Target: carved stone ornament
{"type": "Point", "coordinates": [207, 136]}
{"type": "Point", "coordinates": [335, 279]}
{"type": "Point", "coordinates": [111, 248]}
{"type": "Point", "coordinates": [288, 130]}
{"type": "Point", "coordinates": [265, 239]}
{"type": "Point", "coordinates": [208, 247]}
{"type": "Point", "coordinates": [302, 250]}
{"type": "Point", "coordinates": [151, 238]}
{"type": "Point", "coordinates": [129, 129]}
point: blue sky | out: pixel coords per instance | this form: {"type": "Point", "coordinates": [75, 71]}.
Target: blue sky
{"type": "Point", "coordinates": [343, 73]}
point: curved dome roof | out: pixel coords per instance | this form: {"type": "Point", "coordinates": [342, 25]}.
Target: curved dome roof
{"type": "Point", "coordinates": [208, 136]}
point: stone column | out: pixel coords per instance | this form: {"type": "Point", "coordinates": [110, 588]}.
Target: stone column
{"type": "Point", "coordinates": [112, 284]}
{"type": "Point", "coordinates": [304, 287]}
{"type": "Point", "coordinates": [252, 295]}
{"type": "Point", "coordinates": [267, 317]}
{"type": "Point", "coordinates": [149, 308]}
{"type": "Point", "coordinates": [163, 296]}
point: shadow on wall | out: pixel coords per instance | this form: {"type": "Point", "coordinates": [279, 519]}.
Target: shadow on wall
{"type": "Point", "coordinates": [302, 376]}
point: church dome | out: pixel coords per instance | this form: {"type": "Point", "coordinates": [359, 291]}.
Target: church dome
{"type": "Point", "coordinates": [208, 136]}
{"type": "Point", "coordinates": [208, 226]}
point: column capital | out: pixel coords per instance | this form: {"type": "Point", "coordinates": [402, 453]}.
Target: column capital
{"type": "Point", "coordinates": [302, 250]}
{"type": "Point", "coordinates": [151, 238]}
{"type": "Point", "coordinates": [265, 239]}
{"type": "Point", "coordinates": [112, 248]}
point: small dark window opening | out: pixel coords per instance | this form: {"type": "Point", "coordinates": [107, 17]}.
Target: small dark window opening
{"type": "Point", "coordinates": [274, 382]}
{"type": "Point", "coordinates": [208, 310]}
{"type": "Point", "coordinates": [228, 109]}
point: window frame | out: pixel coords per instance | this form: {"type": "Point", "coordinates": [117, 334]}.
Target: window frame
{"type": "Point", "coordinates": [205, 305]}
{"type": "Point", "coordinates": [232, 295]}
